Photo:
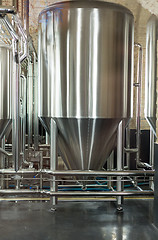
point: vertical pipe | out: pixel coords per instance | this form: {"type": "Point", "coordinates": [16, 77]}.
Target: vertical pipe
{"type": "Point", "coordinates": [128, 146]}
{"type": "Point", "coordinates": [152, 140]}
{"type": "Point", "coordinates": [47, 138]}
{"type": "Point", "coordinates": [36, 123]}
{"type": "Point", "coordinates": [2, 161]}
{"type": "Point", "coordinates": [41, 167]}
{"type": "Point", "coordinates": [21, 113]}
{"type": "Point", "coordinates": [30, 102]}
{"type": "Point", "coordinates": [15, 101]}
{"type": "Point", "coordinates": [138, 113]}
{"type": "Point", "coordinates": [24, 85]}
{"type": "Point", "coordinates": [53, 160]}
{"type": "Point", "coordinates": [120, 156]}
{"type": "Point", "coordinates": [151, 159]}
{"type": "Point", "coordinates": [110, 166]}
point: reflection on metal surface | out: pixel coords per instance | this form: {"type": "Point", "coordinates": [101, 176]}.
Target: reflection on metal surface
{"type": "Point", "coordinates": [151, 71]}
{"type": "Point", "coordinates": [85, 77]}
{"type": "Point", "coordinates": [86, 143]}
{"type": "Point", "coordinates": [5, 88]}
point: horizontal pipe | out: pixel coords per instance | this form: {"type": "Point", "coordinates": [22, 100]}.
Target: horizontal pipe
{"type": "Point", "coordinates": [99, 194]}
{"type": "Point", "coordinates": [21, 191]}
{"type": "Point", "coordinates": [81, 173]}
{"type": "Point", "coordinates": [78, 194]}
{"type": "Point", "coordinates": [44, 146]}
{"type": "Point", "coordinates": [7, 10]}
{"type": "Point", "coordinates": [132, 150]}
{"type": "Point", "coordinates": [100, 173]}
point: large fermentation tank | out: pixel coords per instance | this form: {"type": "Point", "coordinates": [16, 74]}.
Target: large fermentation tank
{"type": "Point", "coordinates": [151, 71]}
{"type": "Point", "coordinates": [5, 87]}
{"type": "Point", "coordinates": [85, 77]}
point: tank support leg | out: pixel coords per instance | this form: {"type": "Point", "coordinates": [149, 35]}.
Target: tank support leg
{"type": "Point", "coordinates": [53, 162]}
{"type": "Point", "coordinates": [120, 156]}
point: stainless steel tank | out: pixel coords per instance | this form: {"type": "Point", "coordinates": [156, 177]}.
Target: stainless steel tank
{"type": "Point", "coordinates": [151, 71]}
{"type": "Point", "coordinates": [5, 88]}
{"type": "Point", "coordinates": [85, 77]}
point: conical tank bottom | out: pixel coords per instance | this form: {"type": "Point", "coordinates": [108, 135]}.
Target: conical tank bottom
{"type": "Point", "coordinates": [85, 144]}
{"type": "Point", "coordinates": [4, 126]}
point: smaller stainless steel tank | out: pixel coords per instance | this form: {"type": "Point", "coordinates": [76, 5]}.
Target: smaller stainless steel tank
{"type": "Point", "coordinates": [151, 71]}
{"type": "Point", "coordinates": [5, 87]}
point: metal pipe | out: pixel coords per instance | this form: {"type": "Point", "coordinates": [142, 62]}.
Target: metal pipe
{"type": "Point", "coordinates": [120, 156]}
{"type": "Point", "coordinates": [25, 53]}
{"type": "Point", "coordinates": [101, 173]}
{"type": "Point", "coordinates": [7, 10]}
{"type": "Point", "coordinates": [10, 28]}
{"type": "Point", "coordinates": [20, 28]}
{"type": "Point", "coordinates": [44, 145]}
{"type": "Point", "coordinates": [53, 158]}
{"type": "Point", "coordinates": [99, 194]}
{"type": "Point", "coordinates": [19, 25]}
{"type": "Point", "coordinates": [30, 103]}
{"type": "Point", "coordinates": [41, 166]}
{"type": "Point", "coordinates": [32, 48]}
{"type": "Point", "coordinates": [131, 150]}
{"type": "Point", "coordinates": [47, 138]}
{"type": "Point", "coordinates": [127, 147]}
{"type": "Point", "coordinates": [152, 140]}
{"type": "Point", "coordinates": [135, 184]}
{"type": "Point", "coordinates": [2, 161]}
{"type": "Point", "coordinates": [24, 118]}
{"type": "Point", "coordinates": [138, 112]}
{"type": "Point", "coordinates": [5, 153]}
{"type": "Point", "coordinates": [23, 140]}
{"type": "Point", "coordinates": [80, 186]}
{"type": "Point", "coordinates": [145, 173]}
{"type": "Point", "coordinates": [36, 121]}
{"type": "Point", "coordinates": [139, 163]}
{"type": "Point", "coordinates": [151, 159]}
{"type": "Point", "coordinates": [110, 166]}
{"type": "Point", "coordinates": [15, 100]}
{"type": "Point", "coordinates": [78, 193]}
{"type": "Point", "coordinates": [4, 130]}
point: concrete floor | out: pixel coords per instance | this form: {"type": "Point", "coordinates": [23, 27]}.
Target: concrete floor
{"type": "Point", "coordinates": [77, 221]}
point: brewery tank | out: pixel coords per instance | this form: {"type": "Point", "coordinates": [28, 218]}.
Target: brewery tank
{"type": "Point", "coordinates": [151, 71]}
{"type": "Point", "coordinates": [5, 86]}
{"type": "Point", "coordinates": [85, 77]}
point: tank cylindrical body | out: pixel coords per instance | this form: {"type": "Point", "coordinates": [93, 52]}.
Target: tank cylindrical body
{"type": "Point", "coordinates": [151, 71]}
{"type": "Point", "coordinates": [85, 55]}
{"type": "Point", "coordinates": [85, 69]}
{"type": "Point", "coordinates": [5, 87]}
